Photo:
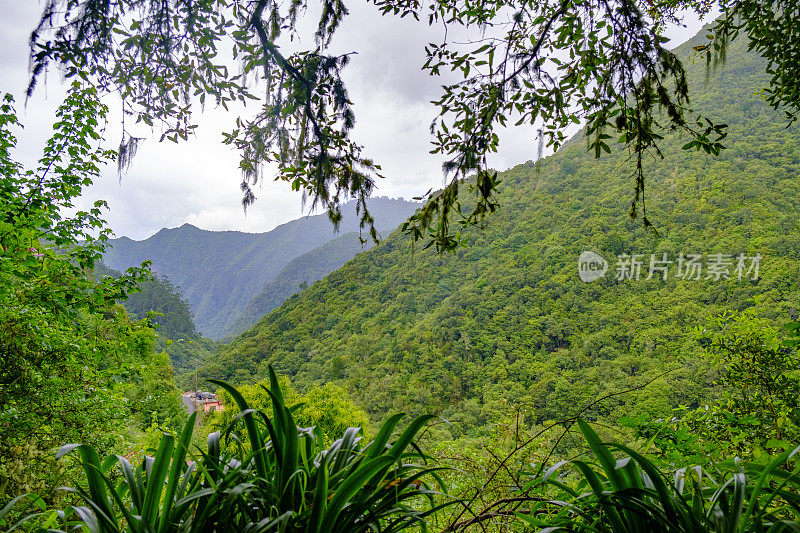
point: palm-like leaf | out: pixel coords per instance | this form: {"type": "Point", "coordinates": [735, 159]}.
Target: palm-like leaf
{"type": "Point", "coordinates": [632, 495]}
{"type": "Point", "coordinates": [279, 478]}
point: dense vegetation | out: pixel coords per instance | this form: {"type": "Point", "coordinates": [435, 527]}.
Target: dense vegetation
{"type": "Point", "coordinates": [623, 404]}
{"type": "Point", "coordinates": [505, 324]}
{"type": "Point", "coordinates": [159, 300]}
{"type": "Point", "coordinates": [75, 366]}
{"type": "Point", "coordinates": [219, 272]}
{"type": "Point", "coordinates": [298, 274]}
{"type": "Point", "coordinates": [284, 480]}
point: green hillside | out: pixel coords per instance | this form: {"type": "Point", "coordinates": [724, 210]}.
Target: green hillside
{"type": "Point", "coordinates": [506, 323]}
{"type": "Point", "coordinates": [219, 272]}
{"type": "Point", "coordinates": [175, 332]}
{"type": "Point", "coordinates": [173, 318]}
{"type": "Point", "coordinates": [300, 272]}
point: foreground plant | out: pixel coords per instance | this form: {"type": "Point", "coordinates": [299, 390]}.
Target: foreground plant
{"type": "Point", "coordinates": [278, 478]}
{"type": "Point", "coordinates": [632, 494]}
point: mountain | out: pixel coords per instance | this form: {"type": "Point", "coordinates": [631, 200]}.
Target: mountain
{"type": "Point", "coordinates": [506, 325]}
{"type": "Point", "coordinates": [300, 272]}
{"type": "Point", "coordinates": [175, 331]}
{"type": "Point", "coordinates": [174, 318]}
{"type": "Point", "coordinates": [220, 272]}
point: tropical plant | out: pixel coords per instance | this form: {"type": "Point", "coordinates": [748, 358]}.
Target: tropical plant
{"type": "Point", "coordinates": [328, 408]}
{"type": "Point", "coordinates": [630, 494]}
{"type": "Point", "coordinates": [277, 477]}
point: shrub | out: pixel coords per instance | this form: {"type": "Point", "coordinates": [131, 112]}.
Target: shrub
{"type": "Point", "coordinates": [278, 478]}
{"type": "Point", "coordinates": [631, 494]}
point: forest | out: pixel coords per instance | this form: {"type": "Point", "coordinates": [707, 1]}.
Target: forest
{"type": "Point", "coordinates": [505, 322]}
{"type": "Point", "coordinates": [473, 381]}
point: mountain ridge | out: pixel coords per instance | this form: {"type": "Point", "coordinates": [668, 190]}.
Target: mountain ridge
{"type": "Point", "coordinates": [306, 269]}
{"type": "Point", "coordinates": [220, 272]}
{"type": "Point", "coordinates": [505, 323]}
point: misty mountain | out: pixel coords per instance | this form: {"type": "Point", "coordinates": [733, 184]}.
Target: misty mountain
{"type": "Point", "coordinates": [220, 272]}
{"type": "Point", "coordinates": [299, 273]}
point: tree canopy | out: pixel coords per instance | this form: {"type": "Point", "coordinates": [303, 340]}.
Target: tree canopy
{"type": "Point", "coordinates": [66, 347]}
{"type": "Point", "coordinates": [549, 63]}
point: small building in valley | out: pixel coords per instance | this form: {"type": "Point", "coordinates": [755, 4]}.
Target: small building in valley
{"type": "Point", "coordinates": [202, 402]}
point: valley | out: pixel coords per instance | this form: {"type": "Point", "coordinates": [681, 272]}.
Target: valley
{"type": "Point", "coordinates": [604, 350]}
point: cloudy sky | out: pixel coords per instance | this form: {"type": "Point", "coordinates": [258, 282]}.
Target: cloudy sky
{"type": "Point", "coordinates": [198, 182]}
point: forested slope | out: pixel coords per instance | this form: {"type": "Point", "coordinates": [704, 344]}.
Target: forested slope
{"type": "Point", "coordinates": [175, 332]}
{"type": "Point", "coordinates": [219, 272]}
{"type": "Point", "coordinates": [173, 316]}
{"type": "Point", "coordinates": [300, 272]}
{"type": "Point", "coordinates": [506, 323]}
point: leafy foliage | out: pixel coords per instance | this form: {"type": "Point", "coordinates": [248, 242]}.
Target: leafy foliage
{"type": "Point", "coordinates": [279, 478]}
{"type": "Point", "coordinates": [160, 55]}
{"type": "Point", "coordinates": [550, 64]}
{"type": "Point", "coordinates": [755, 415]}
{"type": "Point", "coordinates": [170, 310]}
{"type": "Point", "coordinates": [327, 408]}
{"type": "Point", "coordinates": [153, 396]}
{"type": "Point", "coordinates": [501, 333]}
{"type": "Point", "coordinates": [553, 65]}
{"type": "Point", "coordinates": [769, 27]}
{"type": "Point", "coordinates": [632, 494]}
{"type": "Point", "coordinates": [762, 383]}
{"type": "Point", "coordinates": [63, 342]}
{"type": "Point", "coordinates": [158, 300]}
{"type": "Point", "coordinates": [162, 305]}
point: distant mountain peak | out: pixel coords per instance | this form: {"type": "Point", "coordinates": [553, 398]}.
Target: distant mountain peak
{"type": "Point", "coordinates": [221, 271]}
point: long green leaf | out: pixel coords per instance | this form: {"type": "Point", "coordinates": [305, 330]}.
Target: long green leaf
{"type": "Point", "coordinates": [350, 487]}
{"type": "Point", "coordinates": [253, 434]}
{"type": "Point", "coordinates": [178, 462]}
{"type": "Point", "coordinates": [604, 456]}
{"type": "Point", "coordinates": [155, 481]}
{"type": "Point", "coordinates": [134, 523]}
{"type": "Point", "coordinates": [378, 445]}
{"type": "Point", "coordinates": [133, 483]}
{"type": "Point", "coordinates": [320, 497]}
{"type": "Point", "coordinates": [406, 437]}
{"type": "Point", "coordinates": [731, 516]}
{"type": "Point", "coordinates": [7, 509]}
{"type": "Point", "coordinates": [665, 496]}
{"type": "Point", "coordinates": [94, 479]}
{"type": "Point", "coordinates": [344, 450]}
{"type": "Point", "coordinates": [769, 470]}
{"type": "Point", "coordinates": [599, 491]}
{"type": "Point", "coordinates": [288, 446]}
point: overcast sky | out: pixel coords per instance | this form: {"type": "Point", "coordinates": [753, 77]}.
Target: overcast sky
{"type": "Point", "coordinates": [198, 181]}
